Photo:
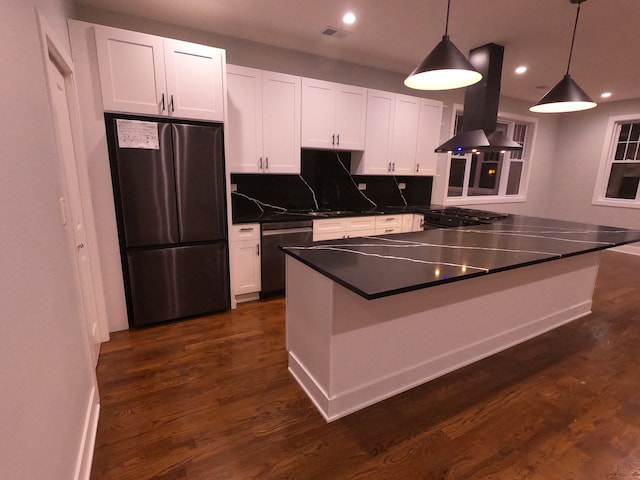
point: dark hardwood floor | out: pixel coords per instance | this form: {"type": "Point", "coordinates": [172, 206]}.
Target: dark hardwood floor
{"type": "Point", "coordinates": [211, 398]}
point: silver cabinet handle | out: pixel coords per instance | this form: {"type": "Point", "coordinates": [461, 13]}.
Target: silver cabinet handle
{"type": "Point", "coordinates": [260, 163]}
{"type": "Point", "coordinates": [80, 245]}
{"type": "Point", "coordinates": [333, 139]}
{"type": "Point", "coordinates": [266, 161]}
{"type": "Point", "coordinates": [258, 249]}
{"type": "Point", "coordinates": [162, 102]}
{"type": "Point", "coordinates": [171, 103]}
{"type": "Point", "coordinates": [393, 167]}
{"type": "Point", "coordinates": [246, 229]}
{"type": "Point", "coordinates": [338, 139]}
{"type": "Point", "coordinates": [389, 167]}
{"type": "Point", "coordinates": [388, 230]}
{"type": "Point", "coordinates": [417, 167]}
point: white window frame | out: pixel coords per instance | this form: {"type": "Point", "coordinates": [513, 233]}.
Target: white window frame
{"type": "Point", "coordinates": [521, 197]}
{"type": "Point", "coordinates": [606, 160]}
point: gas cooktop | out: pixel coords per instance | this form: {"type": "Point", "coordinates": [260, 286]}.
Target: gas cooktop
{"type": "Point", "coordinates": [457, 216]}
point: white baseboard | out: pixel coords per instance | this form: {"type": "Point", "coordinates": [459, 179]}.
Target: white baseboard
{"type": "Point", "coordinates": [85, 452]}
{"type": "Point", "coordinates": [340, 405]}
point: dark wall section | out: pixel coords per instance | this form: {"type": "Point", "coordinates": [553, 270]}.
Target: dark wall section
{"type": "Point", "coordinates": [325, 184]}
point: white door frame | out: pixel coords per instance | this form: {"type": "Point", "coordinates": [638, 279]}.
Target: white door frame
{"type": "Point", "coordinates": [51, 50]}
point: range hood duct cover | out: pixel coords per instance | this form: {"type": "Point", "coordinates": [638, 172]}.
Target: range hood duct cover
{"type": "Point", "coordinates": [480, 116]}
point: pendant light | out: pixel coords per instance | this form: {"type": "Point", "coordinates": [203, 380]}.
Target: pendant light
{"type": "Point", "coordinates": [566, 96]}
{"type": "Point", "coordinates": [444, 68]}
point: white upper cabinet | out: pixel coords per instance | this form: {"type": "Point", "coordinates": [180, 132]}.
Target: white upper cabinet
{"type": "Point", "coordinates": [333, 115]}
{"type": "Point", "coordinates": [428, 136]}
{"type": "Point", "coordinates": [376, 159]}
{"type": "Point", "coordinates": [405, 134]}
{"type": "Point", "coordinates": [194, 80]}
{"type": "Point", "coordinates": [263, 121]}
{"type": "Point", "coordinates": [400, 131]}
{"type": "Point", "coordinates": [151, 75]}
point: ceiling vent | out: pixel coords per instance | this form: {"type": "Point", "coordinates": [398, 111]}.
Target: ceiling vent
{"type": "Point", "coordinates": [335, 32]}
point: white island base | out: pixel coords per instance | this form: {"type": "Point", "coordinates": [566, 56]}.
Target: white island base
{"type": "Point", "coordinates": [348, 352]}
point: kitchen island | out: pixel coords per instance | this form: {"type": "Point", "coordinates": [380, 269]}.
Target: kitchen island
{"type": "Point", "coordinates": [368, 318]}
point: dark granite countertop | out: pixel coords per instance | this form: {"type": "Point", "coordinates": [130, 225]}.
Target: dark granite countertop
{"type": "Point", "coordinates": [380, 266]}
{"type": "Point", "coordinates": [293, 215]}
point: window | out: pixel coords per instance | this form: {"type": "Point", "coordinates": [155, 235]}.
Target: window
{"type": "Point", "coordinates": [620, 173]}
{"type": "Point", "coordinates": [490, 174]}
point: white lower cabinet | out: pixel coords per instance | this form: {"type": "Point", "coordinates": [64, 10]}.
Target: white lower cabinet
{"type": "Point", "coordinates": [351, 227]}
{"type": "Point", "coordinates": [345, 227]}
{"type": "Point", "coordinates": [412, 222]}
{"type": "Point", "coordinates": [244, 260]}
{"type": "Point", "coordinates": [329, 229]}
{"type": "Point", "coordinates": [387, 224]}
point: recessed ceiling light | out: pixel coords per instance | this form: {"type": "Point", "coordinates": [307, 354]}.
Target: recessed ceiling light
{"type": "Point", "coordinates": [521, 69]}
{"type": "Point", "coordinates": [606, 94]}
{"type": "Point", "coordinates": [349, 18]}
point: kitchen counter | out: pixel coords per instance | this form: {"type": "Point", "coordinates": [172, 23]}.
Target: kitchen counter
{"type": "Point", "coordinates": [379, 266]}
{"type": "Point", "coordinates": [368, 318]}
{"type": "Point", "coordinates": [295, 215]}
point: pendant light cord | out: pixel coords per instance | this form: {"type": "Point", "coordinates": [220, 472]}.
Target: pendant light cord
{"type": "Point", "coordinates": [446, 25]}
{"type": "Point", "coordinates": [573, 38]}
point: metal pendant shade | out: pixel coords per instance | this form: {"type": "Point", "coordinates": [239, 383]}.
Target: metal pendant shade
{"type": "Point", "coordinates": [566, 96]}
{"type": "Point", "coordinates": [444, 68]}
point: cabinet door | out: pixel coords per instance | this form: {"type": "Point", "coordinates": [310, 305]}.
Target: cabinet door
{"type": "Point", "coordinates": [132, 72]}
{"type": "Point", "coordinates": [328, 229]}
{"type": "Point", "coordinates": [244, 119]}
{"type": "Point", "coordinates": [428, 137]}
{"type": "Point", "coordinates": [246, 266]}
{"type": "Point", "coordinates": [360, 226]}
{"type": "Point", "coordinates": [281, 122]}
{"type": "Point", "coordinates": [318, 113]}
{"type": "Point", "coordinates": [194, 80]}
{"type": "Point", "coordinates": [376, 159]}
{"type": "Point", "coordinates": [405, 134]}
{"type": "Point", "coordinates": [351, 110]}
{"type": "Point", "coordinates": [244, 252]}
{"type": "Point", "coordinates": [418, 222]}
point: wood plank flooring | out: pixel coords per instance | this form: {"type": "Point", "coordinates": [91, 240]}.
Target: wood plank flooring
{"type": "Point", "coordinates": [212, 399]}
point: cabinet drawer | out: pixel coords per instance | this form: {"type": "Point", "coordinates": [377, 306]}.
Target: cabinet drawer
{"type": "Point", "coordinates": [388, 230]}
{"type": "Point", "coordinates": [248, 231]}
{"type": "Point", "coordinates": [389, 221]}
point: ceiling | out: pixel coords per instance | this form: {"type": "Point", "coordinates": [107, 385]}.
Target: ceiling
{"type": "Point", "coordinates": [396, 35]}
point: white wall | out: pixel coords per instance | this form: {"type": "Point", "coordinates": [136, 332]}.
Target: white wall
{"type": "Point", "coordinates": [46, 376]}
{"type": "Point", "coordinates": [578, 157]}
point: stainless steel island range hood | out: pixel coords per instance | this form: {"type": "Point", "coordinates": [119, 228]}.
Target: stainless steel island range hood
{"type": "Point", "coordinates": [480, 117]}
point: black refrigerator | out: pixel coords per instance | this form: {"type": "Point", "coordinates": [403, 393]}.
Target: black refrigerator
{"type": "Point", "coordinates": [169, 191]}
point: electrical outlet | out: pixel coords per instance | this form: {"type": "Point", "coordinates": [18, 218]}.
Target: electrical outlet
{"type": "Point", "coordinates": [234, 187]}
{"type": "Point", "coordinates": [402, 186]}
{"type": "Point", "coordinates": [362, 186]}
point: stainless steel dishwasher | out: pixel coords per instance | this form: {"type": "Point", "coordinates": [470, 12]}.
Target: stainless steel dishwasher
{"type": "Point", "coordinates": [275, 235]}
